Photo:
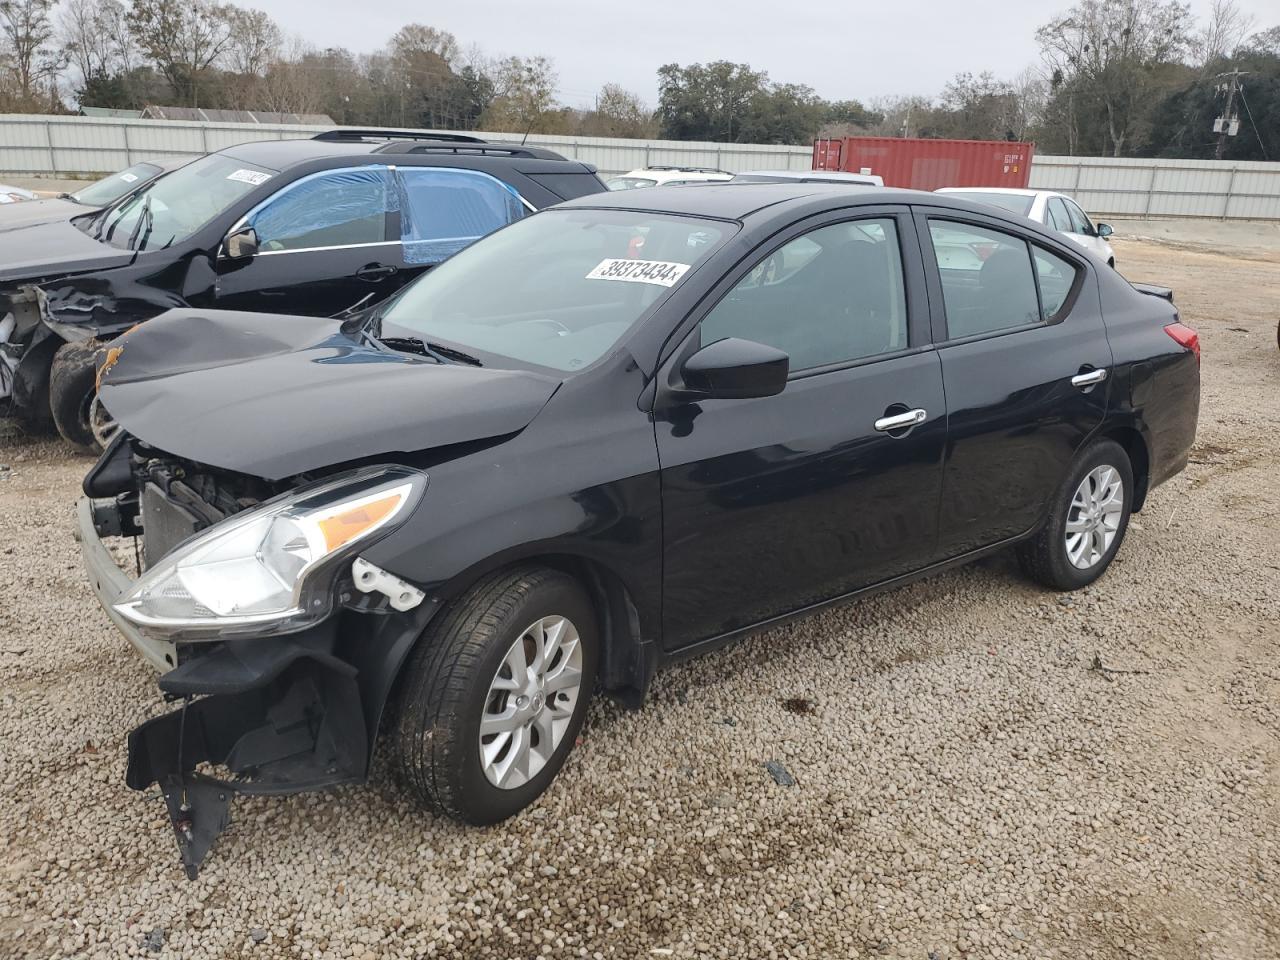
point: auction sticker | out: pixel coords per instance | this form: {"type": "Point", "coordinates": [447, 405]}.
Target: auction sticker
{"type": "Point", "coordinates": [660, 272]}
{"type": "Point", "coordinates": [128, 177]}
{"type": "Point", "coordinates": [249, 176]}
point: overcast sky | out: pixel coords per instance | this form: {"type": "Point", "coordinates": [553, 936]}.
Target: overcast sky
{"type": "Point", "coordinates": [844, 49]}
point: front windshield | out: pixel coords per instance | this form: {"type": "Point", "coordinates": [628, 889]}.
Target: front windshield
{"type": "Point", "coordinates": [112, 188]}
{"type": "Point", "coordinates": [1013, 202]}
{"type": "Point", "coordinates": [630, 183]}
{"type": "Point", "coordinates": [172, 208]}
{"type": "Point", "coordinates": [558, 289]}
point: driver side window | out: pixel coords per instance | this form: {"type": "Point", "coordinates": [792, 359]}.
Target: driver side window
{"type": "Point", "coordinates": [332, 209]}
{"type": "Point", "coordinates": [833, 295]}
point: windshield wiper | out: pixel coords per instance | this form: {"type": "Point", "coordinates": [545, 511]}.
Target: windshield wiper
{"type": "Point", "coordinates": [437, 352]}
{"type": "Point", "coordinates": [456, 355]}
{"type": "Point", "coordinates": [144, 216]}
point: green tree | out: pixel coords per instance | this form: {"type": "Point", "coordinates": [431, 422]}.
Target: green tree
{"type": "Point", "coordinates": [707, 102]}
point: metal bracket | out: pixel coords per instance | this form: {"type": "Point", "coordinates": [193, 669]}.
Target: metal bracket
{"type": "Point", "coordinates": [368, 578]}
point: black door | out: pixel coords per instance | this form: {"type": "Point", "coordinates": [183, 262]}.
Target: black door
{"type": "Point", "coordinates": [325, 242]}
{"type": "Point", "coordinates": [773, 504]}
{"type": "Point", "coordinates": [1026, 364]}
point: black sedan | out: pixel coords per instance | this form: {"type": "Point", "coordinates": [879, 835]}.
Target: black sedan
{"type": "Point", "coordinates": [624, 430]}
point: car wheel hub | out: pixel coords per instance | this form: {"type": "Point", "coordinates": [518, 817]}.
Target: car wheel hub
{"type": "Point", "coordinates": [531, 702]}
{"type": "Point", "coordinates": [1093, 519]}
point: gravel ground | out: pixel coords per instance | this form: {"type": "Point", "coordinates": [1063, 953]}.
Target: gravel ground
{"type": "Point", "coordinates": [966, 785]}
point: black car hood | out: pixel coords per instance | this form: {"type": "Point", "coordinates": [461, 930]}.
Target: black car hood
{"type": "Point", "coordinates": [273, 396]}
{"type": "Point", "coordinates": [44, 210]}
{"type": "Point", "coordinates": [45, 250]}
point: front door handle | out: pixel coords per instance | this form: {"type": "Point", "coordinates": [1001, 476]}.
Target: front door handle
{"type": "Point", "coordinates": [901, 421]}
{"type": "Point", "coordinates": [1089, 378]}
{"type": "Point", "coordinates": [375, 271]}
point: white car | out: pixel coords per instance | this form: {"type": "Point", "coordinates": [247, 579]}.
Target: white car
{"type": "Point", "coordinates": [1056, 211]}
{"type": "Point", "coordinates": [667, 177]}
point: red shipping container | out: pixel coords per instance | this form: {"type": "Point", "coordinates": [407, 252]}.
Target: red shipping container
{"type": "Point", "coordinates": [928, 164]}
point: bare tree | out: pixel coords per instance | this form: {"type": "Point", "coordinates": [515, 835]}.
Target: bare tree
{"type": "Point", "coordinates": [525, 94]}
{"type": "Point", "coordinates": [95, 37]}
{"type": "Point", "coordinates": [28, 32]}
{"type": "Point", "coordinates": [289, 86]}
{"type": "Point", "coordinates": [253, 43]}
{"type": "Point", "coordinates": [183, 38]}
{"type": "Point", "coordinates": [1108, 51]}
{"type": "Point", "coordinates": [619, 113]}
{"type": "Point", "coordinates": [1222, 33]}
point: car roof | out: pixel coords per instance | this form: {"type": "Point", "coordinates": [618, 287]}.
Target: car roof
{"type": "Point", "coordinates": [280, 155]}
{"type": "Point", "coordinates": [737, 200]}
{"type": "Point", "coordinates": [1012, 191]}
{"type": "Point", "coordinates": [814, 176]}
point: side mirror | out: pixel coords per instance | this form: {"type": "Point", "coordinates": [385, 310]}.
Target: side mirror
{"type": "Point", "coordinates": [241, 244]}
{"type": "Point", "coordinates": [1104, 230]}
{"type": "Point", "coordinates": [734, 369]}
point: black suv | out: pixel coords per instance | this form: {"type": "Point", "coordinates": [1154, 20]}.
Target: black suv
{"type": "Point", "coordinates": [322, 226]}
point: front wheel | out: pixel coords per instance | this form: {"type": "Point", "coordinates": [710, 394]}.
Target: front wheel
{"type": "Point", "coordinates": [1087, 521]}
{"type": "Point", "coordinates": [495, 693]}
{"type": "Point", "coordinates": [73, 387]}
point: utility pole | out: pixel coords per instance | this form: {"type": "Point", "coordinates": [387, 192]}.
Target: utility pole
{"type": "Point", "coordinates": [1227, 124]}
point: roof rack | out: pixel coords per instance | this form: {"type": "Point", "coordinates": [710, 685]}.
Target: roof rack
{"type": "Point", "coordinates": [481, 147]}
{"type": "Point", "coordinates": [346, 133]}
{"type": "Point", "coordinates": [679, 169]}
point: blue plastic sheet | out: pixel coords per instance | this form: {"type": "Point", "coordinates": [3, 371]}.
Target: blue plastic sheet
{"type": "Point", "coordinates": [334, 208]}
{"type": "Point", "coordinates": [444, 210]}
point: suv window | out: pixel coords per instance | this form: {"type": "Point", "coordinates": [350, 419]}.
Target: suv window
{"type": "Point", "coordinates": [987, 280]}
{"type": "Point", "coordinates": [1080, 222]}
{"type": "Point", "coordinates": [331, 209]}
{"type": "Point", "coordinates": [445, 209]}
{"type": "Point", "coordinates": [833, 295]}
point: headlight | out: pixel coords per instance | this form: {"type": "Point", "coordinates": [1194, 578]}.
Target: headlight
{"type": "Point", "coordinates": [270, 569]}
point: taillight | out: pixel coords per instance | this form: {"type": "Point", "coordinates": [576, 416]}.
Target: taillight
{"type": "Point", "coordinates": [1186, 337]}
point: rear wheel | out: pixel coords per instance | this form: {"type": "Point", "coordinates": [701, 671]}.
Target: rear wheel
{"type": "Point", "coordinates": [1087, 521]}
{"type": "Point", "coordinates": [72, 389]}
{"type": "Point", "coordinates": [495, 693]}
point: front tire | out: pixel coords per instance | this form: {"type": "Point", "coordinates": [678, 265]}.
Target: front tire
{"type": "Point", "coordinates": [495, 693]}
{"type": "Point", "coordinates": [73, 384]}
{"type": "Point", "coordinates": [1087, 521]}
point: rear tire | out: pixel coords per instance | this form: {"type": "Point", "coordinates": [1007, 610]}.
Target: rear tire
{"type": "Point", "coordinates": [72, 386]}
{"type": "Point", "coordinates": [1086, 524]}
{"type": "Point", "coordinates": [451, 683]}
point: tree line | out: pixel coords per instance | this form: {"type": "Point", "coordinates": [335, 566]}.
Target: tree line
{"type": "Point", "coordinates": [1114, 77]}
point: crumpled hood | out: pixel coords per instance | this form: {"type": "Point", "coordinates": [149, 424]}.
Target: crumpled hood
{"type": "Point", "coordinates": [44, 250]}
{"type": "Point", "coordinates": [273, 396]}
{"type": "Point", "coordinates": [44, 210]}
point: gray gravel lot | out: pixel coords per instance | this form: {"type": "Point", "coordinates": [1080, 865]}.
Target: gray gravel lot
{"type": "Point", "coordinates": [966, 784]}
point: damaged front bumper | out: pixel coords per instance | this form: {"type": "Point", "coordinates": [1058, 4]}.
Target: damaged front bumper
{"type": "Point", "coordinates": [258, 715]}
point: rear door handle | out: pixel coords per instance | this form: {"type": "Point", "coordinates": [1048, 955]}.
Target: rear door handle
{"type": "Point", "coordinates": [375, 271]}
{"type": "Point", "coordinates": [901, 421]}
{"type": "Point", "coordinates": [1089, 378]}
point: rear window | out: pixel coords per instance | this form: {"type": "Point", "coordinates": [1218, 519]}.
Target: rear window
{"type": "Point", "coordinates": [1013, 202]}
{"type": "Point", "coordinates": [631, 183]}
{"type": "Point", "coordinates": [567, 186]}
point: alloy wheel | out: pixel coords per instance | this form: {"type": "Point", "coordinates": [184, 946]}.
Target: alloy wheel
{"type": "Point", "coordinates": [1093, 519]}
{"type": "Point", "coordinates": [531, 701]}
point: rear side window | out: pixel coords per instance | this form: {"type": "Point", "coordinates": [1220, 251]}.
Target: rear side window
{"type": "Point", "coordinates": [1056, 277]}
{"type": "Point", "coordinates": [987, 280]}
{"type": "Point", "coordinates": [333, 209]}
{"type": "Point", "coordinates": [443, 210]}
{"type": "Point", "coordinates": [830, 296]}
{"type": "Point", "coordinates": [1058, 216]}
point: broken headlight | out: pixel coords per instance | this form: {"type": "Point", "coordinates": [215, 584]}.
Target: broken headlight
{"type": "Point", "coordinates": [270, 570]}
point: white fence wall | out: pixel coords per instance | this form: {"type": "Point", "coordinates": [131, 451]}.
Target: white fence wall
{"type": "Point", "coordinates": [1164, 188]}
{"type": "Point", "coordinates": [66, 146]}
